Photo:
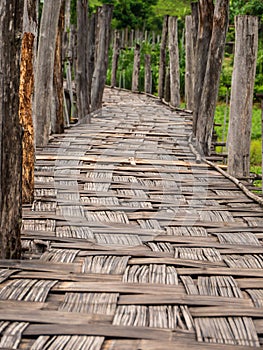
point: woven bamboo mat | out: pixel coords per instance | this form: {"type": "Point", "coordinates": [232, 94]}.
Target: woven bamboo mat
{"type": "Point", "coordinates": [132, 245]}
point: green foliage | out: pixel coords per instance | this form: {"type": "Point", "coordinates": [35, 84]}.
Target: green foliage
{"type": "Point", "coordinates": [256, 152]}
{"type": "Point", "coordinates": [246, 7]}
{"type": "Point", "coordinates": [222, 110]}
{"type": "Point", "coordinates": [125, 66]}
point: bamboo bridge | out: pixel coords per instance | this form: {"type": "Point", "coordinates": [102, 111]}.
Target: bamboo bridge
{"type": "Point", "coordinates": [133, 245]}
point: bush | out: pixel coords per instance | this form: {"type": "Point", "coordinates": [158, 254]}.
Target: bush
{"type": "Point", "coordinates": [255, 152]}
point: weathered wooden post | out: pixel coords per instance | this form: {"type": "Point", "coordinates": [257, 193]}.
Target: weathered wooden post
{"type": "Point", "coordinates": [101, 63]}
{"type": "Point", "coordinates": [205, 26]}
{"type": "Point", "coordinates": [207, 106]}
{"type": "Point", "coordinates": [195, 23]}
{"type": "Point", "coordinates": [167, 85]}
{"type": "Point", "coordinates": [91, 48]}
{"type": "Point", "coordinates": [57, 116]}
{"type": "Point", "coordinates": [136, 68]}
{"type": "Point", "coordinates": [10, 129]}
{"type": "Point", "coordinates": [260, 96]}
{"type": "Point", "coordinates": [241, 102]}
{"type": "Point", "coordinates": [115, 57]}
{"type": "Point", "coordinates": [27, 72]}
{"type": "Point", "coordinates": [162, 64]}
{"type": "Point", "coordinates": [174, 61]}
{"type": "Point", "coordinates": [45, 70]}
{"type": "Point", "coordinates": [25, 115]}
{"type": "Point", "coordinates": [148, 74]}
{"type": "Point", "coordinates": [82, 66]}
{"type": "Point", "coordinates": [189, 63]}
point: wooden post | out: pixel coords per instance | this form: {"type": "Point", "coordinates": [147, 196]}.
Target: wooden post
{"type": "Point", "coordinates": [195, 23]}
{"type": "Point", "coordinates": [10, 129]}
{"type": "Point", "coordinates": [57, 117]}
{"type": "Point", "coordinates": [206, 111]}
{"type": "Point", "coordinates": [45, 70]}
{"type": "Point", "coordinates": [167, 85]}
{"type": "Point", "coordinates": [115, 57]}
{"type": "Point", "coordinates": [162, 64]}
{"type": "Point", "coordinates": [101, 64]}
{"type": "Point", "coordinates": [260, 96]}
{"type": "Point", "coordinates": [148, 75]}
{"type": "Point", "coordinates": [241, 101]}
{"type": "Point", "coordinates": [189, 63]}
{"type": "Point", "coordinates": [91, 48]}
{"type": "Point", "coordinates": [174, 61]}
{"type": "Point", "coordinates": [136, 68]}
{"type": "Point", "coordinates": [25, 115]}
{"type": "Point", "coordinates": [27, 73]}
{"type": "Point", "coordinates": [82, 72]}
{"type": "Point", "coordinates": [205, 26]}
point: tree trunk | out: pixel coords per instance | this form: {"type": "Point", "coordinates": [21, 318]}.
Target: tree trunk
{"type": "Point", "coordinates": [57, 118]}
{"type": "Point", "coordinates": [101, 64]}
{"type": "Point", "coordinates": [115, 57]}
{"type": "Point", "coordinates": [241, 102]}
{"type": "Point", "coordinates": [205, 27]}
{"type": "Point", "coordinates": [10, 129]}
{"type": "Point", "coordinates": [206, 112]}
{"type": "Point", "coordinates": [148, 75]}
{"type": "Point", "coordinates": [136, 68]}
{"type": "Point", "coordinates": [162, 64]}
{"type": "Point", "coordinates": [45, 69]}
{"type": "Point", "coordinates": [189, 63]}
{"type": "Point", "coordinates": [174, 61]}
{"type": "Point", "coordinates": [82, 73]}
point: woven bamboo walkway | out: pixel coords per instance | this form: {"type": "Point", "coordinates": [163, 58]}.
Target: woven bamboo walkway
{"type": "Point", "coordinates": [132, 245]}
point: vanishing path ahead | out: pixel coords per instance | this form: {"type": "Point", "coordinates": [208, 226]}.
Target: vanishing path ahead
{"type": "Point", "coordinates": [133, 245]}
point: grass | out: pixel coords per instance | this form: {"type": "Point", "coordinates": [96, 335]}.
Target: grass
{"type": "Point", "coordinates": [222, 118]}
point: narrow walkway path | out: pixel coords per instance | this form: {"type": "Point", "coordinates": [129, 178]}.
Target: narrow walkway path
{"type": "Point", "coordinates": [132, 245]}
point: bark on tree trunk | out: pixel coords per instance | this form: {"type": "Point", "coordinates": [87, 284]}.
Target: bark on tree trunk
{"type": "Point", "coordinates": [206, 111]}
{"type": "Point", "coordinates": [148, 75]}
{"type": "Point", "coordinates": [174, 62]}
{"type": "Point", "coordinates": [10, 129]}
{"type": "Point", "coordinates": [189, 63]}
{"type": "Point", "coordinates": [57, 118]}
{"type": "Point", "coordinates": [25, 116]}
{"type": "Point", "coordinates": [162, 65]}
{"type": "Point", "coordinates": [115, 58]}
{"type": "Point", "coordinates": [101, 64]}
{"type": "Point", "coordinates": [205, 26]}
{"type": "Point", "coordinates": [82, 73]}
{"type": "Point", "coordinates": [241, 102]}
{"type": "Point", "coordinates": [45, 69]}
{"type": "Point", "coordinates": [136, 68]}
